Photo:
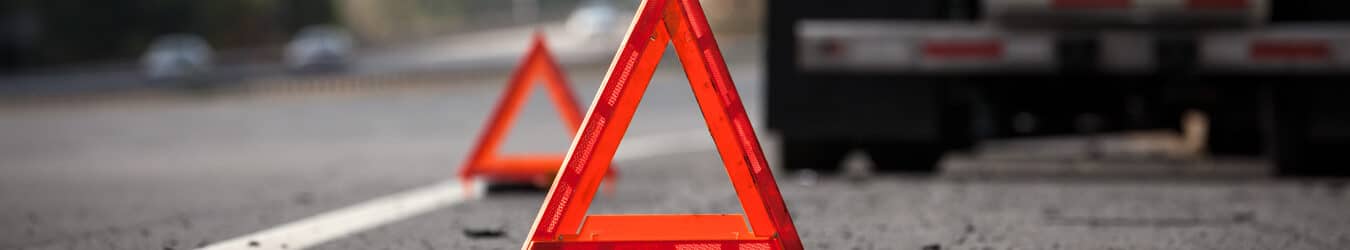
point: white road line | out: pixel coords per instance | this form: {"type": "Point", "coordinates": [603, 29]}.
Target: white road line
{"type": "Point", "coordinates": [321, 228]}
{"type": "Point", "coordinates": [339, 223]}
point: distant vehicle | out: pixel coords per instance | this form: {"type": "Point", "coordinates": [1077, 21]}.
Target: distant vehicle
{"type": "Point", "coordinates": [177, 56]}
{"type": "Point", "coordinates": [320, 48]}
{"type": "Point", "coordinates": [593, 20]}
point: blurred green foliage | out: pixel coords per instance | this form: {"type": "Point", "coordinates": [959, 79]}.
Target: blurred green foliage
{"type": "Point", "coordinates": [393, 21]}
{"type": "Point", "coordinates": [75, 31]}
{"type": "Point", "coordinates": [84, 30]}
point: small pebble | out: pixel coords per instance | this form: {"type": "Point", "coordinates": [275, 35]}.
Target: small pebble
{"type": "Point", "coordinates": [483, 233]}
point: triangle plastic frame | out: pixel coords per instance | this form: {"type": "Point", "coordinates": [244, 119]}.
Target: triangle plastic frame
{"type": "Point", "coordinates": [485, 163]}
{"type": "Point", "coordinates": [562, 222]}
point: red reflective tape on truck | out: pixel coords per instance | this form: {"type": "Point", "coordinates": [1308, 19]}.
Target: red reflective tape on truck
{"type": "Point", "coordinates": [1090, 4]}
{"type": "Point", "coordinates": [963, 49]}
{"type": "Point", "coordinates": [1290, 49]}
{"type": "Point", "coordinates": [1216, 4]}
{"type": "Point", "coordinates": [832, 48]}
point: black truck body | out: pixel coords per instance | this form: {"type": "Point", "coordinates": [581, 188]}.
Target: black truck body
{"type": "Point", "coordinates": [905, 81]}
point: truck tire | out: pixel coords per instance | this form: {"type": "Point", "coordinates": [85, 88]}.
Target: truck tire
{"type": "Point", "coordinates": [1307, 138]}
{"type": "Point", "coordinates": [908, 158]}
{"type": "Point", "coordinates": [1235, 127]}
{"type": "Point", "coordinates": [819, 155]}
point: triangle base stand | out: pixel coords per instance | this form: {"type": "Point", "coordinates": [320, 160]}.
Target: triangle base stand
{"type": "Point", "coordinates": [562, 222]}
{"type": "Point", "coordinates": [695, 231]}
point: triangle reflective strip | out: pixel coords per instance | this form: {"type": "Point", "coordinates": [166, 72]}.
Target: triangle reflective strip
{"type": "Point", "coordinates": [538, 65]}
{"type": "Point", "coordinates": [658, 22]}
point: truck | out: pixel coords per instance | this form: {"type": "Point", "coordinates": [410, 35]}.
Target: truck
{"type": "Point", "coordinates": [906, 81]}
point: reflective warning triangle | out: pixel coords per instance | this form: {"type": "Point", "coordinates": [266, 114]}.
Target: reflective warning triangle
{"type": "Point", "coordinates": [485, 163]}
{"type": "Point", "coordinates": [562, 222]}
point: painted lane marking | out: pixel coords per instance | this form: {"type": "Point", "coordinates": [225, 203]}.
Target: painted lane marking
{"type": "Point", "coordinates": [315, 230]}
{"type": "Point", "coordinates": [335, 224]}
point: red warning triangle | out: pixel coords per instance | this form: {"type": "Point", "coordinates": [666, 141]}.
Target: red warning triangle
{"type": "Point", "coordinates": [485, 162]}
{"type": "Point", "coordinates": [562, 222]}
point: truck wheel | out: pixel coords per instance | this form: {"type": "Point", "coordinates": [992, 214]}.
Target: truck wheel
{"type": "Point", "coordinates": [1302, 145]}
{"type": "Point", "coordinates": [904, 158]}
{"type": "Point", "coordinates": [1235, 125]}
{"type": "Point", "coordinates": [822, 156]}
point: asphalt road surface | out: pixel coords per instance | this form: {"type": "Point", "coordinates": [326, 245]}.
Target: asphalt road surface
{"type": "Point", "coordinates": [182, 172]}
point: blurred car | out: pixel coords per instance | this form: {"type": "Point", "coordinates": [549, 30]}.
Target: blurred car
{"type": "Point", "coordinates": [320, 47]}
{"type": "Point", "coordinates": [594, 20]}
{"type": "Point", "coordinates": [176, 56]}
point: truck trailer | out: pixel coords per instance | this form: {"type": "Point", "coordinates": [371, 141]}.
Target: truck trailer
{"type": "Point", "coordinates": [905, 81]}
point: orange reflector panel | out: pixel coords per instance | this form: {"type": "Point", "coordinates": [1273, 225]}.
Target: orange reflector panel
{"type": "Point", "coordinates": [662, 244]}
{"type": "Point", "coordinates": [562, 222]}
{"type": "Point", "coordinates": [1290, 50]}
{"type": "Point", "coordinates": [655, 227]}
{"type": "Point", "coordinates": [519, 168]}
{"type": "Point", "coordinates": [485, 163]}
